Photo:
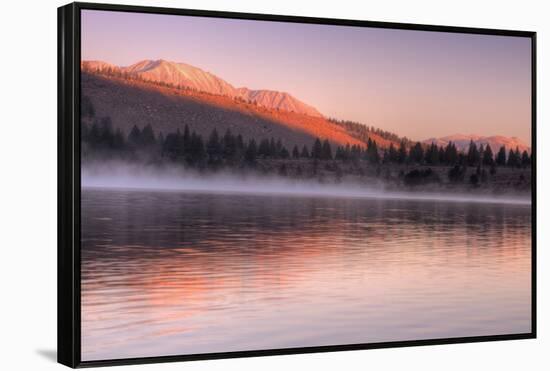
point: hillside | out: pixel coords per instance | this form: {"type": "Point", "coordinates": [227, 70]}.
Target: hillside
{"type": "Point", "coordinates": [130, 102]}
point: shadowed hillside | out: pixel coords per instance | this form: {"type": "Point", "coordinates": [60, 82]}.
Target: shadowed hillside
{"type": "Point", "coordinates": [166, 109]}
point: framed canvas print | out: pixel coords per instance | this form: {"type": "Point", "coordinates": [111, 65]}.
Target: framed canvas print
{"type": "Point", "coordinates": [246, 184]}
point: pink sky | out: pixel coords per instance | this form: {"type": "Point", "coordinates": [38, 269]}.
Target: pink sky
{"type": "Point", "coordinates": [415, 83]}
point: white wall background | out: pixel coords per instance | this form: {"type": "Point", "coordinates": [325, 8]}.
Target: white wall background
{"type": "Point", "coordinates": [28, 182]}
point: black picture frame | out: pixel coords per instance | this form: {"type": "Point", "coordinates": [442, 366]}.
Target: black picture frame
{"type": "Point", "coordinates": [69, 33]}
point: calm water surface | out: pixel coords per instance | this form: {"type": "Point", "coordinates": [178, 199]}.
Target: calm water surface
{"type": "Point", "coordinates": [167, 273]}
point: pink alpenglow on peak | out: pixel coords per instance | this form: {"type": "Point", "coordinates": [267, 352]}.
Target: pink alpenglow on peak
{"type": "Point", "coordinates": [185, 75]}
{"type": "Point", "coordinates": [495, 141]}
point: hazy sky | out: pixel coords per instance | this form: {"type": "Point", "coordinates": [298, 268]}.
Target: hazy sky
{"type": "Point", "coordinates": [416, 83]}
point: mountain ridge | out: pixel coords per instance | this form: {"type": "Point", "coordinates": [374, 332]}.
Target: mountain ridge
{"type": "Point", "coordinates": [184, 75]}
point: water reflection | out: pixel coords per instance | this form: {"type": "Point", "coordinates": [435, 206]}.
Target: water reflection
{"type": "Point", "coordinates": [179, 273]}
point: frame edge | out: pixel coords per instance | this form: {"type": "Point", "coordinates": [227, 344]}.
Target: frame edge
{"type": "Point", "coordinates": [534, 293]}
{"type": "Point", "coordinates": [68, 344]}
{"type": "Point", "coordinates": [301, 19]}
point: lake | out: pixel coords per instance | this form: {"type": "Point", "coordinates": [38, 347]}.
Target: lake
{"type": "Point", "coordinates": [169, 273]}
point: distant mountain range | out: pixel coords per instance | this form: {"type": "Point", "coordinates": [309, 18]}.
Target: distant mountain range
{"type": "Point", "coordinates": [184, 75]}
{"type": "Point", "coordinates": [496, 141]}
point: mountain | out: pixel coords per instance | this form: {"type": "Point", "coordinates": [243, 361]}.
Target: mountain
{"type": "Point", "coordinates": [278, 100]}
{"type": "Point", "coordinates": [496, 141]}
{"type": "Point", "coordinates": [183, 75]}
{"type": "Point", "coordinates": [130, 102]}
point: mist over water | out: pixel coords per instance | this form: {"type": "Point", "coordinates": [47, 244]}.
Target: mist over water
{"type": "Point", "coordinates": [118, 175]}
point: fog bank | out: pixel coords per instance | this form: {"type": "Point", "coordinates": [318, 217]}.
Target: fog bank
{"type": "Point", "coordinates": [179, 179]}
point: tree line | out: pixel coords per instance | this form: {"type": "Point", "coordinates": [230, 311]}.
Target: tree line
{"type": "Point", "coordinates": [230, 148]}
{"type": "Point", "coordinates": [449, 155]}
{"type": "Point", "coordinates": [363, 132]}
{"type": "Point", "coordinates": [190, 147]}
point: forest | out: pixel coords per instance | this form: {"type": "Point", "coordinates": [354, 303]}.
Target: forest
{"type": "Point", "coordinates": [408, 163]}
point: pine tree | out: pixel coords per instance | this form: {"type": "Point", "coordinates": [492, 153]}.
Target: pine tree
{"type": "Point", "coordinates": [517, 154]}
{"type": "Point", "coordinates": [525, 159]}
{"type": "Point", "coordinates": [481, 150]}
{"type": "Point", "coordinates": [172, 145]}
{"type": "Point", "coordinates": [134, 138]}
{"type": "Point", "coordinates": [501, 156]}
{"type": "Point", "coordinates": [106, 133]}
{"type": "Point", "coordinates": [326, 151]}
{"type": "Point", "coordinates": [295, 152]}
{"type": "Point", "coordinates": [305, 152]}
{"type": "Point", "coordinates": [372, 152]}
{"type": "Point", "coordinates": [86, 107]}
{"type": "Point", "coordinates": [240, 146]}
{"type": "Point", "coordinates": [278, 148]}
{"type": "Point", "coordinates": [264, 148]}
{"type": "Point", "coordinates": [251, 152]}
{"type": "Point", "coordinates": [451, 154]}
{"type": "Point", "coordinates": [317, 150]}
{"type": "Point", "coordinates": [488, 159]}
{"type": "Point", "coordinates": [283, 153]}
{"type": "Point", "coordinates": [431, 156]}
{"type": "Point", "coordinates": [355, 153]}
{"type": "Point", "coordinates": [393, 155]}
{"type": "Point", "coordinates": [339, 154]}
{"type": "Point", "coordinates": [272, 148]}
{"type": "Point", "coordinates": [161, 139]}
{"type": "Point", "coordinates": [348, 152]}
{"type": "Point", "coordinates": [147, 136]}
{"type": "Point", "coordinates": [473, 156]}
{"type": "Point", "coordinates": [181, 149]}
{"type": "Point", "coordinates": [196, 152]}
{"type": "Point", "coordinates": [186, 139]}
{"type": "Point", "coordinates": [229, 145]}
{"type": "Point", "coordinates": [385, 157]}
{"type": "Point", "coordinates": [417, 153]}
{"type": "Point", "coordinates": [402, 153]}
{"type": "Point", "coordinates": [367, 152]}
{"type": "Point", "coordinates": [462, 159]}
{"type": "Point", "coordinates": [441, 155]}
{"type": "Point", "coordinates": [512, 159]}
{"type": "Point", "coordinates": [214, 147]}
